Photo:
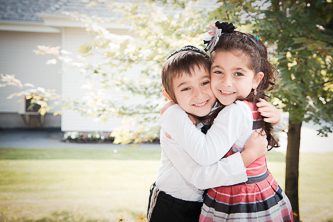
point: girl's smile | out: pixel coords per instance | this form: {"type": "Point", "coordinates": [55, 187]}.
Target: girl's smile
{"type": "Point", "coordinates": [231, 78]}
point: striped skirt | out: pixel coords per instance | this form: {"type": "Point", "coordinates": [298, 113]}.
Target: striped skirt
{"type": "Point", "coordinates": [251, 201]}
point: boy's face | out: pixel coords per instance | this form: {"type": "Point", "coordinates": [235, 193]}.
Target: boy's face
{"type": "Point", "coordinates": [193, 93]}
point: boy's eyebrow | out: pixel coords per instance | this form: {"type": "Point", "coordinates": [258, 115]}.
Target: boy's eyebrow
{"type": "Point", "coordinates": [203, 77]}
{"type": "Point", "coordinates": [183, 83]}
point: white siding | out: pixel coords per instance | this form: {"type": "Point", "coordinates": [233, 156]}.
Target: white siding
{"type": "Point", "coordinates": [17, 58]}
{"type": "Point", "coordinates": [72, 80]}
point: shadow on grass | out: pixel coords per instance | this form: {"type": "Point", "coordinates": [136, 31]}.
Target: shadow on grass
{"type": "Point", "coordinates": [97, 154]}
{"type": "Point", "coordinates": [65, 216]}
{"type": "Point", "coordinates": [91, 154]}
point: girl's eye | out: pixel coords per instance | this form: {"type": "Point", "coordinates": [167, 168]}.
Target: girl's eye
{"type": "Point", "coordinates": [238, 74]}
{"type": "Point", "coordinates": [218, 72]}
{"type": "Point", "coordinates": [185, 89]}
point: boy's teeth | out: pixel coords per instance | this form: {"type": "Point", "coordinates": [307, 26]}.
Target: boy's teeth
{"type": "Point", "coordinates": [200, 104]}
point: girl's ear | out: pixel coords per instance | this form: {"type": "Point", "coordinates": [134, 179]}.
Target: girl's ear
{"type": "Point", "coordinates": [257, 79]}
{"type": "Point", "coordinates": [166, 95]}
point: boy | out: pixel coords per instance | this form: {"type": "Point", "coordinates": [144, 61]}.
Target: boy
{"type": "Point", "coordinates": [177, 194]}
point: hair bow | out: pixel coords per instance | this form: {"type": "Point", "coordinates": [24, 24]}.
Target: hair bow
{"type": "Point", "coordinates": [212, 37]}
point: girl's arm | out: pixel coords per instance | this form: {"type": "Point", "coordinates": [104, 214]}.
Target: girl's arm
{"type": "Point", "coordinates": [228, 171]}
{"type": "Point", "coordinates": [232, 122]}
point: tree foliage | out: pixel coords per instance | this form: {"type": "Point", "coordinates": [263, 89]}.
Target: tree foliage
{"type": "Point", "coordinates": [304, 49]}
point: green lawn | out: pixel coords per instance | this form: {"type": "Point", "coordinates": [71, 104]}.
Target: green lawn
{"type": "Point", "coordinates": [104, 185]}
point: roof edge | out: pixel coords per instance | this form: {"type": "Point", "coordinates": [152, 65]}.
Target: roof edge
{"type": "Point", "coordinates": [56, 20]}
{"type": "Point", "coordinates": [25, 26]}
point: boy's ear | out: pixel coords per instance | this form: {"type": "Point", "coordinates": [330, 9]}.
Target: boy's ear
{"type": "Point", "coordinates": [257, 79]}
{"type": "Point", "coordinates": [166, 95]}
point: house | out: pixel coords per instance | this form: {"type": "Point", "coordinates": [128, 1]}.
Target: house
{"type": "Point", "coordinates": [23, 26]}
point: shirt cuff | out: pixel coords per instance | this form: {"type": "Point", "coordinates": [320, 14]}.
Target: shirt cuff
{"type": "Point", "coordinates": [238, 169]}
{"type": "Point", "coordinates": [278, 127]}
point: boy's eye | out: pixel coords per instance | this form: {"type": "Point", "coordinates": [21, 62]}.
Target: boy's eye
{"type": "Point", "coordinates": [205, 83]}
{"type": "Point", "coordinates": [185, 89]}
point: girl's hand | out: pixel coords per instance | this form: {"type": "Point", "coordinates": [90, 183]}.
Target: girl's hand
{"type": "Point", "coordinates": [269, 111]}
{"type": "Point", "coordinates": [165, 107]}
{"type": "Point", "coordinates": [255, 147]}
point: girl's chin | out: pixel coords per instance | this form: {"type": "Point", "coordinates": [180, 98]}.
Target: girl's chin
{"type": "Point", "coordinates": [201, 114]}
{"type": "Point", "coordinates": [226, 102]}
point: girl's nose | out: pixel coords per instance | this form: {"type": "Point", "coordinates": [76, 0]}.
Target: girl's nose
{"type": "Point", "coordinates": [226, 81]}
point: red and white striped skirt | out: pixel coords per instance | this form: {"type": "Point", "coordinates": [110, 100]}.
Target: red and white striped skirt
{"type": "Point", "coordinates": [252, 201]}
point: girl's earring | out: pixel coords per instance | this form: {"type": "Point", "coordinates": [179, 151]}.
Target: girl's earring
{"type": "Point", "coordinates": [255, 91]}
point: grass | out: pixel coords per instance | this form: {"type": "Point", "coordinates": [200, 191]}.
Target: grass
{"type": "Point", "coordinates": [78, 154]}
{"type": "Point", "coordinates": [47, 185]}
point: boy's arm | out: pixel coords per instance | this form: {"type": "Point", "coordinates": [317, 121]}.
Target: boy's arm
{"type": "Point", "coordinates": [227, 171]}
{"type": "Point", "coordinates": [207, 149]}
{"type": "Point", "coordinates": [271, 115]}
{"type": "Point", "coordinates": [255, 147]}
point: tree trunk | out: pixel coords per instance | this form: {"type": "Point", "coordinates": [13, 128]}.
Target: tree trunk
{"type": "Point", "coordinates": [292, 166]}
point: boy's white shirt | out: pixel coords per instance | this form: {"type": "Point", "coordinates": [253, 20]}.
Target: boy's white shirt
{"type": "Point", "coordinates": [181, 174]}
{"type": "Point", "coordinates": [232, 125]}
{"type": "Point", "coordinates": [181, 177]}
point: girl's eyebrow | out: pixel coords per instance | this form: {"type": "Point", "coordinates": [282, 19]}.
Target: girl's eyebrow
{"type": "Point", "coordinates": [240, 69]}
{"type": "Point", "coordinates": [215, 66]}
{"type": "Point", "coordinates": [237, 69]}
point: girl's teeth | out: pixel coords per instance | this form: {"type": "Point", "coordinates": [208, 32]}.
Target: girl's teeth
{"type": "Point", "coordinates": [226, 92]}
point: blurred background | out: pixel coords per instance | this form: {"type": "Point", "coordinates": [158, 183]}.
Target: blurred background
{"type": "Point", "coordinates": [80, 88]}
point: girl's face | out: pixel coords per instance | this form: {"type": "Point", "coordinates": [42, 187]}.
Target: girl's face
{"type": "Point", "coordinates": [231, 77]}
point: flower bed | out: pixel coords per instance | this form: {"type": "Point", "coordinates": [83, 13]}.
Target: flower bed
{"type": "Point", "coordinates": [88, 137]}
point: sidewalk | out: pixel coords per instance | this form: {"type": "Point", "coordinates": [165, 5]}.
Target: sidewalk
{"type": "Point", "coordinates": [51, 138]}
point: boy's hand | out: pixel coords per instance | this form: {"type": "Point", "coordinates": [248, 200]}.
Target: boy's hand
{"type": "Point", "coordinates": [271, 113]}
{"type": "Point", "coordinates": [166, 106]}
{"type": "Point", "coordinates": [194, 120]}
{"type": "Point", "coordinates": [255, 147]}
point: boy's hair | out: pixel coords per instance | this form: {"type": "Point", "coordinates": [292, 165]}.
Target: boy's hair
{"type": "Point", "coordinates": [180, 62]}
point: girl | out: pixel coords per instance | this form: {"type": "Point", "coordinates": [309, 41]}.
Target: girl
{"type": "Point", "coordinates": [240, 75]}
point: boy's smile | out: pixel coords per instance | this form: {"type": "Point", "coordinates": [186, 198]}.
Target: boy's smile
{"type": "Point", "coordinates": [231, 78]}
{"type": "Point", "coordinates": [193, 93]}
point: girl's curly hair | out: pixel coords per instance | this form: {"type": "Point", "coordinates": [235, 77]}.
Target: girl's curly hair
{"type": "Point", "coordinates": [256, 53]}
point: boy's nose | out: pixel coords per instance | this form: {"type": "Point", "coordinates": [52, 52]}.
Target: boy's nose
{"type": "Point", "coordinates": [198, 93]}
